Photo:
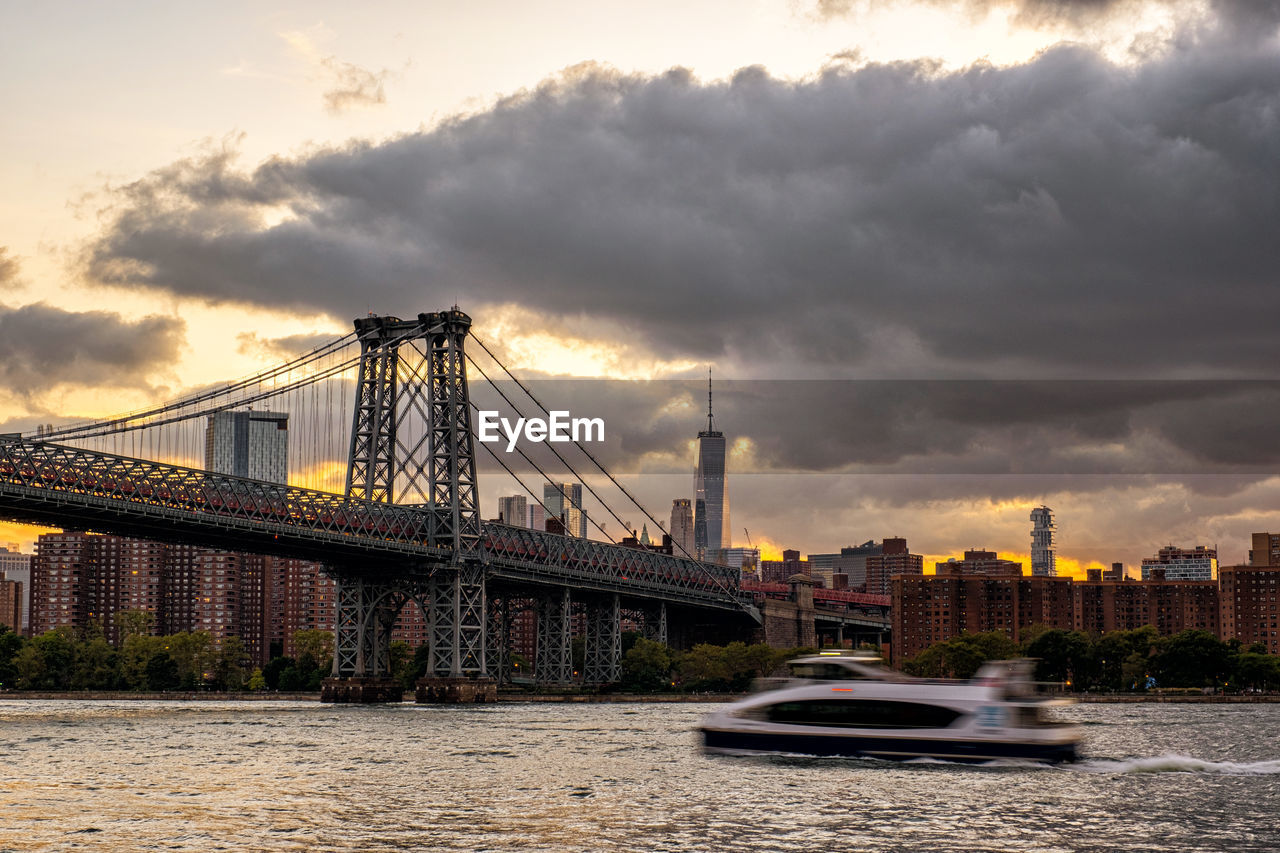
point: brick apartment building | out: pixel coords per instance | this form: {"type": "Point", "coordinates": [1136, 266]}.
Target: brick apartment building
{"type": "Point", "coordinates": [82, 579]}
{"type": "Point", "coordinates": [1241, 603]}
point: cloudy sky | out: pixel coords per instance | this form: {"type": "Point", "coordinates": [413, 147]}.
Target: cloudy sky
{"type": "Point", "coordinates": [951, 259]}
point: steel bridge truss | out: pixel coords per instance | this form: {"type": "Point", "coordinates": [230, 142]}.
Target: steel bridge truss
{"type": "Point", "coordinates": [602, 663]}
{"type": "Point", "coordinates": [62, 484]}
{"type": "Point", "coordinates": [554, 658]}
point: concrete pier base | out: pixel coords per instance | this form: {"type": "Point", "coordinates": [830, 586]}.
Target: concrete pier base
{"type": "Point", "coordinates": [456, 691]}
{"type": "Point", "coordinates": [361, 691]}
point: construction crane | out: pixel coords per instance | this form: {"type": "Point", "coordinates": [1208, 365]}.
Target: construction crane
{"type": "Point", "coordinates": [750, 544]}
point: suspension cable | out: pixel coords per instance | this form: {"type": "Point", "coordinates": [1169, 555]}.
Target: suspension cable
{"type": "Point", "coordinates": [701, 564]}
{"type": "Point", "coordinates": [563, 461]}
{"type": "Point", "coordinates": [120, 421]}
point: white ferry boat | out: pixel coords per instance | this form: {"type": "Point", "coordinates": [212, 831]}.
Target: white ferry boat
{"type": "Point", "coordinates": [852, 705]}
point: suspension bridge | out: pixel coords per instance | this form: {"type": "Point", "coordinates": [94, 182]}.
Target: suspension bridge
{"type": "Point", "coordinates": [398, 524]}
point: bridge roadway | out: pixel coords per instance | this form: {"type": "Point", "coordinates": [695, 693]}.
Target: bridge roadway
{"type": "Point", "coordinates": [65, 486]}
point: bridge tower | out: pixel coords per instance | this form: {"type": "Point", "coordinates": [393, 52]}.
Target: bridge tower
{"type": "Point", "coordinates": [414, 370]}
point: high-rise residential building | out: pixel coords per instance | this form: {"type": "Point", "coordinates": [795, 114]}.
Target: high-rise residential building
{"type": "Point", "coordinates": [893, 559]}
{"type": "Point", "coordinates": [514, 510]}
{"type": "Point", "coordinates": [1265, 550]}
{"type": "Point", "coordinates": [11, 604]}
{"type": "Point", "coordinates": [564, 501]}
{"type": "Point", "coordinates": [682, 528]}
{"type": "Point", "coordinates": [537, 517]}
{"type": "Point", "coordinates": [1044, 555]}
{"type": "Point", "coordinates": [16, 566]}
{"type": "Point", "coordinates": [310, 603]}
{"type": "Point", "coordinates": [927, 609]}
{"type": "Point", "coordinates": [1248, 596]}
{"type": "Point", "coordinates": [248, 444]}
{"type": "Point", "coordinates": [64, 581]}
{"type": "Point", "coordinates": [1183, 564]}
{"type": "Point", "coordinates": [711, 527]}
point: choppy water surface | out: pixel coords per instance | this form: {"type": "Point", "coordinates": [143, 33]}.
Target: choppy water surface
{"type": "Point", "coordinates": [299, 776]}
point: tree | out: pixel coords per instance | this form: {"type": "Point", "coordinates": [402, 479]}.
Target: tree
{"type": "Point", "coordinates": [1256, 670]}
{"type": "Point", "coordinates": [228, 667]}
{"type": "Point", "coordinates": [96, 665]}
{"type": "Point", "coordinates": [646, 667]}
{"type": "Point", "coordinates": [318, 645]}
{"type": "Point", "coordinates": [193, 653]}
{"type": "Point", "coordinates": [401, 661]}
{"type": "Point", "coordinates": [133, 622]}
{"type": "Point", "coordinates": [10, 645]}
{"type": "Point", "coordinates": [1193, 658]}
{"type": "Point", "coordinates": [705, 668]}
{"type": "Point", "coordinates": [257, 683]}
{"type": "Point", "coordinates": [161, 671]}
{"type": "Point", "coordinates": [135, 656]}
{"type": "Point", "coordinates": [46, 662]}
{"type": "Point", "coordinates": [1065, 656]}
{"type": "Point", "coordinates": [962, 655]}
{"type": "Point", "coordinates": [273, 672]}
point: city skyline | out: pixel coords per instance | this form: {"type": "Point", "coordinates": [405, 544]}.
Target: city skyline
{"type": "Point", "coordinates": [872, 211]}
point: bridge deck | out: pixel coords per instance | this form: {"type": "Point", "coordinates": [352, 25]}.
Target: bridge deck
{"type": "Point", "coordinates": [71, 487]}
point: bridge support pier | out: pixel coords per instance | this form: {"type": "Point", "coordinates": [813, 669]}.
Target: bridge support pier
{"type": "Point", "coordinates": [603, 646]}
{"type": "Point", "coordinates": [459, 668]}
{"type": "Point", "coordinates": [554, 663]}
{"type": "Point", "coordinates": [366, 613]}
{"type": "Point", "coordinates": [498, 639]}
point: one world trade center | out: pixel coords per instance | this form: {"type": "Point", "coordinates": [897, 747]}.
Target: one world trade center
{"type": "Point", "coordinates": [710, 489]}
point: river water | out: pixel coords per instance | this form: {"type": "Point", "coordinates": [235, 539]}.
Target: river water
{"type": "Point", "coordinates": [140, 775]}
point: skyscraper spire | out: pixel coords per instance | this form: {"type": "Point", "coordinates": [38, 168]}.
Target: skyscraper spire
{"type": "Point", "coordinates": [710, 427]}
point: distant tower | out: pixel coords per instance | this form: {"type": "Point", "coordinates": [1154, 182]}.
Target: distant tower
{"type": "Point", "coordinates": [514, 510]}
{"type": "Point", "coordinates": [1044, 559]}
{"type": "Point", "coordinates": [710, 489]}
{"type": "Point", "coordinates": [564, 501]}
{"type": "Point", "coordinates": [682, 528]}
{"type": "Point", "coordinates": [248, 444]}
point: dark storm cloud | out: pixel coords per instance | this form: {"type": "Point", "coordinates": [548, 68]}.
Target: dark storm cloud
{"type": "Point", "coordinates": [1237, 17]}
{"type": "Point", "coordinates": [1000, 439]}
{"type": "Point", "coordinates": [1065, 215]}
{"type": "Point", "coordinates": [283, 349]}
{"type": "Point", "coordinates": [42, 346]}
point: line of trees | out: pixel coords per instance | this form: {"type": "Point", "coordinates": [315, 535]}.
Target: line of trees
{"type": "Point", "coordinates": [649, 667]}
{"type": "Point", "coordinates": [1118, 661]}
{"type": "Point", "coordinates": [66, 659]}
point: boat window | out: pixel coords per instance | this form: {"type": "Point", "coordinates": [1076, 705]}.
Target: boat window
{"type": "Point", "coordinates": [862, 714]}
{"type": "Point", "coordinates": [824, 671]}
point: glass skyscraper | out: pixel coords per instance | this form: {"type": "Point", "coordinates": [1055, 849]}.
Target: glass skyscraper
{"type": "Point", "coordinates": [564, 501]}
{"type": "Point", "coordinates": [711, 529]}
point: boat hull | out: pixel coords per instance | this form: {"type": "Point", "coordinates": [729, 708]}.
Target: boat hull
{"type": "Point", "coordinates": [894, 747]}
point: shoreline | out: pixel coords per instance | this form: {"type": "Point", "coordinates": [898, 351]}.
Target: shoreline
{"type": "Point", "coordinates": [587, 698]}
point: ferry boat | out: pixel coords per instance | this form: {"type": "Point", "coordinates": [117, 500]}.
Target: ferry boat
{"type": "Point", "coordinates": [852, 705]}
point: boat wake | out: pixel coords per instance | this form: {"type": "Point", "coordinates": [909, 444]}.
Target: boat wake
{"type": "Point", "coordinates": [1178, 764]}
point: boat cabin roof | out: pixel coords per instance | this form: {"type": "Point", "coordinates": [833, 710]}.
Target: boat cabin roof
{"type": "Point", "coordinates": [843, 667]}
